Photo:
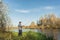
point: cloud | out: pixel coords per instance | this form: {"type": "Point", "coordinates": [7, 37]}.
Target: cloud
{"type": "Point", "coordinates": [48, 8]}
{"type": "Point", "coordinates": [23, 11]}
{"type": "Point", "coordinates": [34, 10]}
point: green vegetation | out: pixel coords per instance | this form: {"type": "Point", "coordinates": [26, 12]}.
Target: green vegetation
{"type": "Point", "coordinates": [25, 36]}
{"type": "Point", "coordinates": [29, 36]}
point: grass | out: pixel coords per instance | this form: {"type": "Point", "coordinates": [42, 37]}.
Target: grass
{"type": "Point", "coordinates": [25, 36]}
{"type": "Point", "coordinates": [29, 36]}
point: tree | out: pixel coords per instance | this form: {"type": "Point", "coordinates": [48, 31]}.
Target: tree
{"type": "Point", "coordinates": [51, 25]}
{"type": "Point", "coordinates": [4, 19]}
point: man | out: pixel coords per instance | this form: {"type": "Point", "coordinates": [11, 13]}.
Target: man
{"type": "Point", "coordinates": [20, 29]}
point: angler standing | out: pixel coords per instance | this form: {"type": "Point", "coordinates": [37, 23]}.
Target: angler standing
{"type": "Point", "coordinates": [20, 29]}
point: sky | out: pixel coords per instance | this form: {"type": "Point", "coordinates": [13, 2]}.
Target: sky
{"type": "Point", "coordinates": [27, 11]}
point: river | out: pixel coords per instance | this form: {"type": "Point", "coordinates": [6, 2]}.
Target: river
{"type": "Point", "coordinates": [26, 30]}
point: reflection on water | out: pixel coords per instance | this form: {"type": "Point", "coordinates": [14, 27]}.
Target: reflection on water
{"type": "Point", "coordinates": [26, 30]}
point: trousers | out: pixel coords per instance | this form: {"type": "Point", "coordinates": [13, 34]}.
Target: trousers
{"type": "Point", "coordinates": [20, 32]}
